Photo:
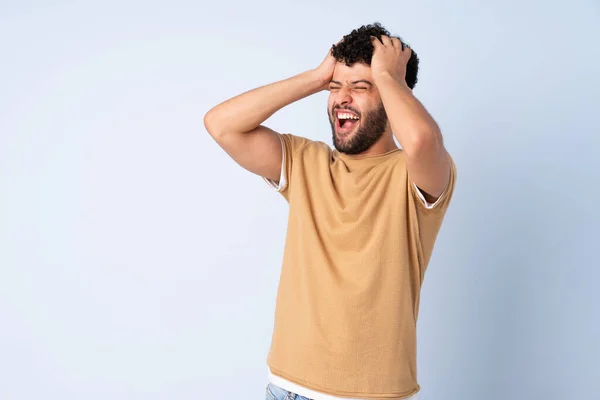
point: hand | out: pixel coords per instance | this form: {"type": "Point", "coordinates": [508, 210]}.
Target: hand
{"type": "Point", "coordinates": [324, 72]}
{"type": "Point", "coordinates": [389, 58]}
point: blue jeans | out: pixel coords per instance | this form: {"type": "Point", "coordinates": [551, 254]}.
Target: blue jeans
{"type": "Point", "coordinates": [276, 393]}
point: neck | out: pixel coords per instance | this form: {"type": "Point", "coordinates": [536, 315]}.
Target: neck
{"type": "Point", "coordinates": [383, 145]}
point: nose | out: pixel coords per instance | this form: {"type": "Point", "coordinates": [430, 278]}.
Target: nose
{"type": "Point", "coordinates": [344, 97]}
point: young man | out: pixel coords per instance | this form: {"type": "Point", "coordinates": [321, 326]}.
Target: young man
{"type": "Point", "coordinates": [362, 223]}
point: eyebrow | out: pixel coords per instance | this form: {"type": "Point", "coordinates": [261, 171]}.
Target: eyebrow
{"type": "Point", "coordinates": [355, 82]}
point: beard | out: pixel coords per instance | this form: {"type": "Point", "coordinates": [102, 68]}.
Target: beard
{"type": "Point", "coordinates": [372, 125]}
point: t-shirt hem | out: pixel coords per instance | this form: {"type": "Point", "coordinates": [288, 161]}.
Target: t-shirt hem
{"type": "Point", "coordinates": [334, 392]}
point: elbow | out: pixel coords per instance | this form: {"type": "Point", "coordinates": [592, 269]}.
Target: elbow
{"type": "Point", "coordinates": [211, 124]}
{"type": "Point", "coordinates": [208, 121]}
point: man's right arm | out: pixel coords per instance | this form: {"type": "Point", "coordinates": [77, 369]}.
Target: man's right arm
{"type": "Point", "coordinates": [236, 123]}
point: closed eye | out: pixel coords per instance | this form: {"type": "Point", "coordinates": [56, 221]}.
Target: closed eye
{"type": "Point", "coordinates": [355, 88]}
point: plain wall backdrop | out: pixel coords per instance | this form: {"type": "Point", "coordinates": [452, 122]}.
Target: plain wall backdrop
{"type": "Point", "coordinates": [138, 261]}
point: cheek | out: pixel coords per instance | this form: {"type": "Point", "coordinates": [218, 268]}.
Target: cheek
{"type": "Point", "coordinates": [329, 106]}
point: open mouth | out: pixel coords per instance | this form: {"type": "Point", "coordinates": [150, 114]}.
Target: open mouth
{"type": "Point", "coordinates": [346, 121]}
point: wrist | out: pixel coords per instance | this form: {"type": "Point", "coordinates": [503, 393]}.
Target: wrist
{"type": "Point", "coordinates": [318, 79]}
{"type": "Point", "coordinates": [383, 78]}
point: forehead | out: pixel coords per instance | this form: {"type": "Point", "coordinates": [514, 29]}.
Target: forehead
{"type": "Point", "coordinates": [346, 74]}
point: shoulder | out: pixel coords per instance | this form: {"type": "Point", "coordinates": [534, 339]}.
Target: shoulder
{"type": "Point", "coordinates": [296, 144]}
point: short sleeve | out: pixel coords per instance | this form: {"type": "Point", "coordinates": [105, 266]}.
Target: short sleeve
{"type": "Point", "coordinates": [428, 219]}
{"type": "Point", "coordinates": [440, 205]}
{"type": "Point", "coordinates": [424, 200]}
{"type": "Point", "coordinates": [281, 184]}
{"type": "Point", "coordinates": [290, 146]}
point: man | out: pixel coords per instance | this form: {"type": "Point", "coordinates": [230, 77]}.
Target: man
{"type": "Point", "coordinates": [362, 223]}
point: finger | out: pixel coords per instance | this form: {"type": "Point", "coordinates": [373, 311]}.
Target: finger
{"type": "Point", "coordinates": [397, 43]}
{"type": "Point", "coordinates": [376, 41]}
{"type": "Point", "coordinates": [386, 40]}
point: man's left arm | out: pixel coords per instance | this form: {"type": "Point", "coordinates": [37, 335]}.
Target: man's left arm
{"type": "Point", "coordinates": [428, 162]}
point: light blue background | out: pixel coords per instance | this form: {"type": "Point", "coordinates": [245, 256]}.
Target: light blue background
{"type": "Point", "coordinates": [138, 261]}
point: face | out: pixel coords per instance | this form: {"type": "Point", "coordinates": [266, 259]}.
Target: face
{"type": "Point", "coordinates": [356, 113]}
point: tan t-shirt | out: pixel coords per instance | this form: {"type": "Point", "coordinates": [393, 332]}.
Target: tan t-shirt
{"type": "Point", "coordinates": [358, 243]}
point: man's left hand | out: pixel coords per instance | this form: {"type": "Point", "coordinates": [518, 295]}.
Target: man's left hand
{"type": "Point", "coordinates": [390, 57]}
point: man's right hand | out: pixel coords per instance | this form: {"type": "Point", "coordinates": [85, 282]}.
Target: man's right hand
{"type": "Point", "coordinates": [324, 71]}
{"type": "Point", "coordinates": [236, 124]}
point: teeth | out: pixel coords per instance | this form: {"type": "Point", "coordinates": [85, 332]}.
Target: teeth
{"type": "Point", "coordinates": [346, 116]}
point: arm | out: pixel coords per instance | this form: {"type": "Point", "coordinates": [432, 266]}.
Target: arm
{"type": "Point", "coordinates": [419, 135]}
{"type": "Point", "coordinates": [236, 123]}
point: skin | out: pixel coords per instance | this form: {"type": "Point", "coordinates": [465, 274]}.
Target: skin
{"type": "Point", "coordinates": [383, 84]}
{"type": "Point", "coordinates": [352, 88]}
{"type": "Point", "coordinates": [257, 148]}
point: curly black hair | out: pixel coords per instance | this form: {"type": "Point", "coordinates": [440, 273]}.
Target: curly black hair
{"type": "Point", "coordinates": [357, 47]}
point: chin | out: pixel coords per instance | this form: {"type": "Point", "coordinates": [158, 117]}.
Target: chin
{"type": "Point", "coordinates": [346, 136]}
